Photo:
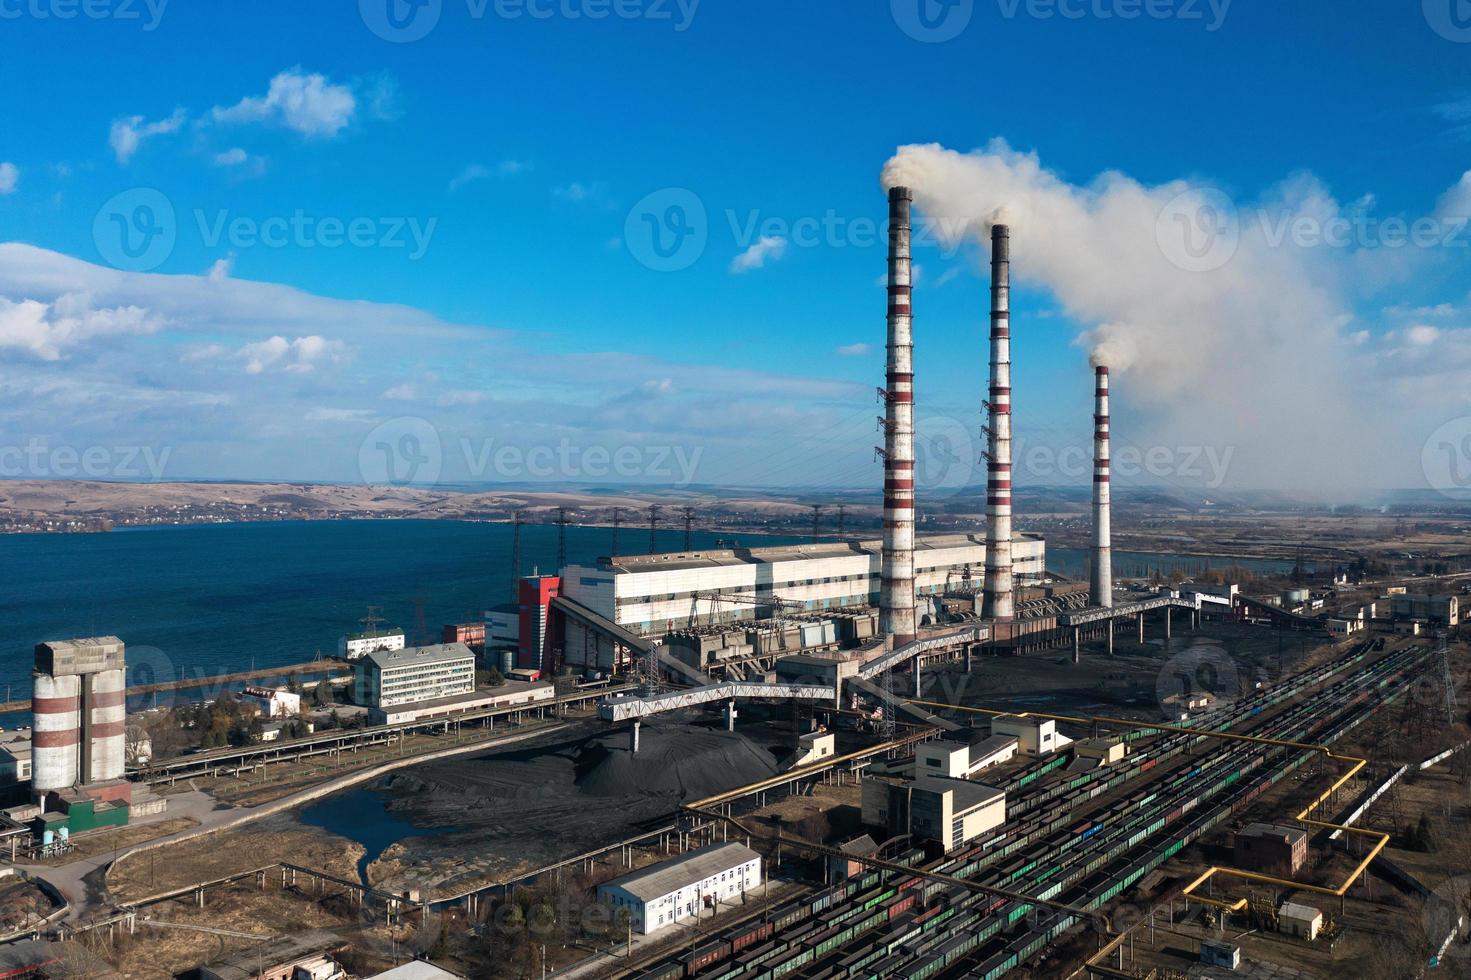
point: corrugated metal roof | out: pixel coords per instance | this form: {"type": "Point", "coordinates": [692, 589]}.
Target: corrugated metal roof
{"type": "Point", "coordinates": [670, 876]}
{"type": "Point", "coordinates": [416, 656]}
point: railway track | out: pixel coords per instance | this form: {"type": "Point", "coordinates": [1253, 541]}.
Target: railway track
{"type": "Point", "coordinates": [1059, 846]}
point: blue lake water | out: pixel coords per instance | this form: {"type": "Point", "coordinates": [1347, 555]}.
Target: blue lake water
{"type": "Point", "coordinates": [216, 598]}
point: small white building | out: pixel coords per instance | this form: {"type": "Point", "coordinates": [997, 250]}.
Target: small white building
{"type": "Point", "coordinates": [355, 646]}
{"type": "Point", "coordinates": [813, 747]}
{"type": "Point", "coordinates": [1034, 736]}
{"type": "Point", "coordinates": [1342, 627]}
{"type": "Point", "coordinates": [272, 702]}
{"type": "Point", "coordinates": [1105, 750]}
{"type": "Point", "coordinates": [1302, 921]}
{"type": "Point", "coordinates": [963, 759]}
{"type": "Point", "coordinates": [677, 890]}
{"type": "Point", "coordinates": [15, 757]}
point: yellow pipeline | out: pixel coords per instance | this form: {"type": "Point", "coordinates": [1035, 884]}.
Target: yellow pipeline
{"type": "Point", "coordinates": [1358, 764]}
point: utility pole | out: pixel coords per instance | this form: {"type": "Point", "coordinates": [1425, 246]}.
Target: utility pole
{"type": "Point", "coordinates": [561, 539]}
{"type": "Point", "coordinates": [654, 528]}
{"type": "Point", "coordinates": [816, 521]}
{"type": "Point", "coordinates": [515, 554]}
{"type": "Point", "coordinates": [689, 529]}
{"type": "Point", "coordinates": [617, 523]}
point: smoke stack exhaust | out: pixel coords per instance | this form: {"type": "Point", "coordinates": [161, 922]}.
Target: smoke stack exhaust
{"type": "Point", "coordinates": [998, 603]}
{"type": "Point", "coordinates": [896, 600]}
{"type": "Point", "coordinates": [1102, 580]}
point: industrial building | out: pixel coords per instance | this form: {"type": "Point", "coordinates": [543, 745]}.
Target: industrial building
{"type": "Point", "coordinates": [1301, 921]}
{"type": "Point", "coordinates": [354, 646]}
{"type": "Point", "coordinates": [1106, 751]}
{"type": "Point", "coordinates": [963, 754]}
{"type": "Point", "coordinates": [1034, 736]}
{"type": "Point", "coordinates": [949, 812]}
{"type": "Point", "coordinates": [1438, 610]}
{"type": "Point", "coordinates": [307, 955]}
{"type": "Point", "coordinates": [15, 757]}
{"type": "Point", "coordinates": [386, 678]}
{"type": "Point", "coordinates": [511, 694]}
{"type": "Point", "coordinates": [1271, 849]}
{"type": "Point", "coordinates": [673, 891]}
{"type": "Point", "coordinates": [80, 719]}
{"type": "Point", "coordinates": [651, 595]}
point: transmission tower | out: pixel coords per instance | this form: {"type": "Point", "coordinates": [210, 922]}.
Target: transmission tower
{"type": "Point", "coordinates": [1447, 682]}
{"type": "Point", "coordinates": [654, 528]}
{"type": "Point", "coordinates": [816, 521]}
{"type": "Point", "coordinates": [617, 523]}
{"type": "Point", "coordinates": [515, 553]}
{"type": "Point", "coordinates": [689, 529]}
{"type": "Point", "coordinates": [561, 538]}
{"type": "Point", "coordinates": [372, 620]}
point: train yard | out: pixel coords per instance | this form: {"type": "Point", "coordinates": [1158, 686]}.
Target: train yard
{"type": "Point", "coordinates": [1073, 844]}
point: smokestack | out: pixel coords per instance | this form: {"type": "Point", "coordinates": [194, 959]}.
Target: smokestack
{"type": "Point", "coordinates": [1102, 581]}
{"type": "Point", "coordinates": [896, 599]}
{"type": "Point", "coordinates": [998, 603]}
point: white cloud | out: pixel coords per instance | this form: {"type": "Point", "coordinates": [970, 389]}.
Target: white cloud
{"type": "Point", "coordinates": [221, 269]}
{"type": "Point", "coordinates": [402, 393]}
{"type": "Point", "coordinates": [854, 350]}
{"type": "Point", "coordinates": [300, 356]}
{"type": "Point", "coordinates": [324, 414]}
{"type": "Point", "coordinates": [9, 177]}
{"type": "Point", "coordinates": [128, 134]}
{"type": "Point", "coordinates": [307, 104]}
{"type": "Point", "coordinates": [770, 247]}
{"type": "Point", "coordinates": [476, 171]}
{"type": "Point", "coordinates": [583, 193]}
{"type": "Point", "coordinates": [1422, 335]}
{"type": "Point", "coordinates": [233, 157]}
{"type": "Point", "coordinates": [49, 331]}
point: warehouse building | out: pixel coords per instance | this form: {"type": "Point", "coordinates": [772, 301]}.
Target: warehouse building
{"type": "Point", "coordinates": [272, 702]}
{"type": "Point", "coordinates": [1438, 610]}
{"type": "Point", "coordinates": [652, 594]}
{"type": "Point", "coordinates": [1034, 736]}
{"type": "Point", "coordinates": [950, 812]}
{"type": "Point", "coordinates": [1271, 849]}
{"type": "Point", "coordinates": [674, 891]}
{"type": "Point", "coordinates": [1300, 921]}
{"type": "Point", "coordinates": [386, 678]}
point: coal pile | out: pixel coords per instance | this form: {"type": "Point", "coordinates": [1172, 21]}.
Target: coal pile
{"type": "Point", "coordinates": [678, 762]}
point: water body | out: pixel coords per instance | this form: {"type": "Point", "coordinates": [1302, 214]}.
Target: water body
{"type": "Point", "coordinates": [228, 597]}
{"type": "Point", "coordinates": [360, 815]}
{"type": "Point", "coordinates": [219, 598]}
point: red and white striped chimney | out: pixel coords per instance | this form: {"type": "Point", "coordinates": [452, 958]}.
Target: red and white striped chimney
{"type": "Point", "coordinates": [896, 599]}
{"type": "Point", "coordinates": [1102, 578]}
{"type": "Point", "coordinates": [998, 602]}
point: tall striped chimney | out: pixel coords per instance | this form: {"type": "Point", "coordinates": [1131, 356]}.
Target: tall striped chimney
{"type": "Point", "coordinates": [1102, 579]}
{"type": "Point", "coordinates": [998, 603]}
{"type": "Point", "coordinates": [896, 599]}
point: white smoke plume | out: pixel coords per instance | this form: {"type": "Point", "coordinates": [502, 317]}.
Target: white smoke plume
{"type": "Point", "coordinates": [1230, 337]}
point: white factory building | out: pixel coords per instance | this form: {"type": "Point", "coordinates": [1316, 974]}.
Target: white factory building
{"type": "Point", "coordinates": [950, 812]}
{"type": "Point", "coordinates": [385, 678]}
{"type": "Point", "coordinates": [963, 755]}
{"type": "Point", "coordinates": [653, 594]}
{"type": "Point", "coordinates": [680, 889]}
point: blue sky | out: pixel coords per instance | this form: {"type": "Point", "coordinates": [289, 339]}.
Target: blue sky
{"type": "Point", "coordinates": [496, 169]}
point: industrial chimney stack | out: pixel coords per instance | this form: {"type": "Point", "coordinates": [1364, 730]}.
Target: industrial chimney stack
{"type": "Point", "coordinates": [998, 603]}
{"type": "Point", "coordinates": [1102, 581]}
{"type": "Point", "coordinates": [896, 601]}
